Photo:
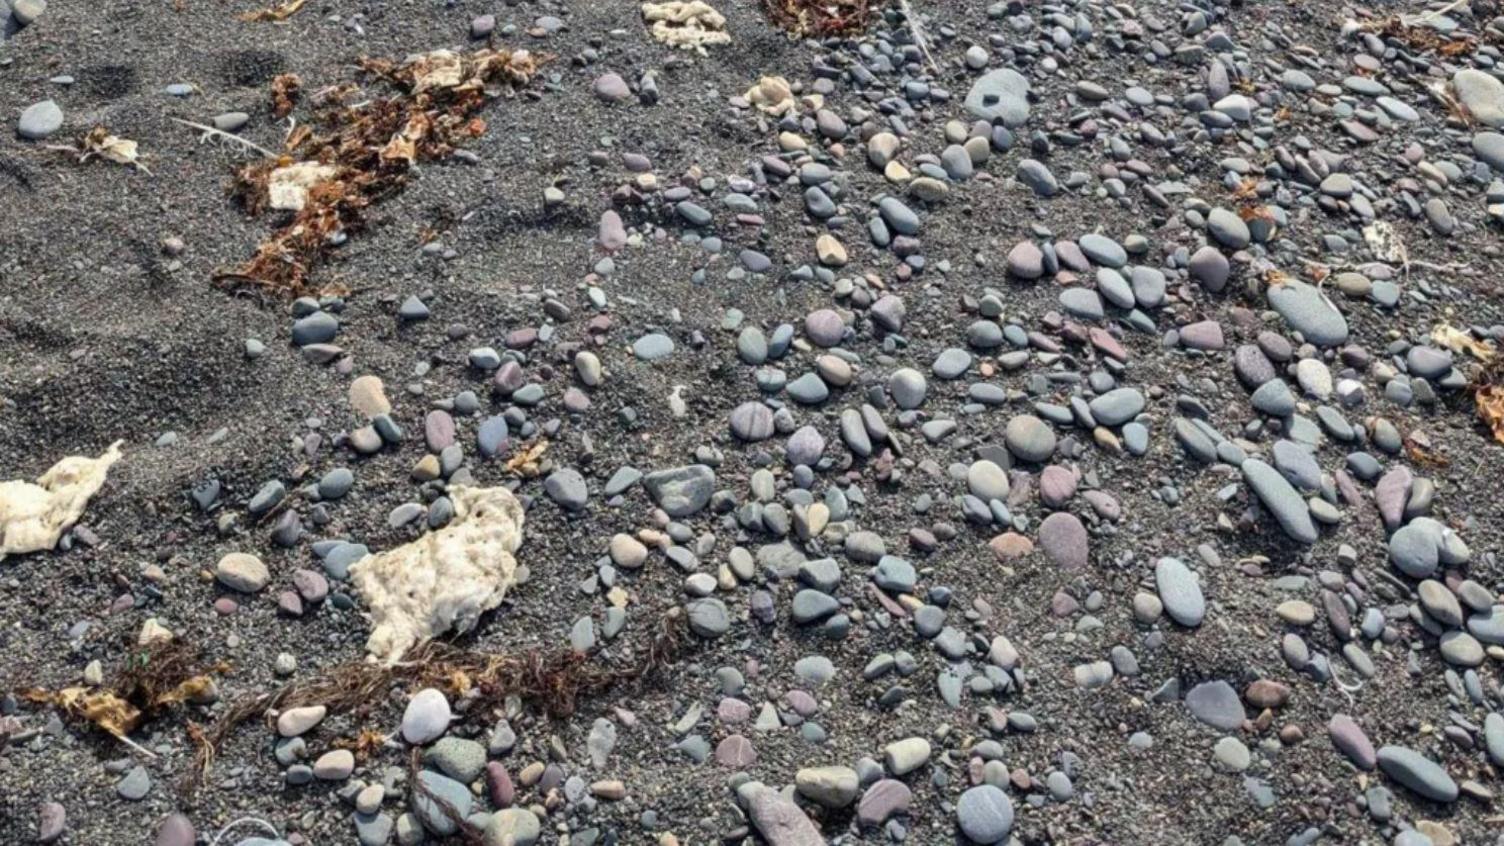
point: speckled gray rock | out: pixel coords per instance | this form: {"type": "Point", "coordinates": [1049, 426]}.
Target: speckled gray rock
{"type": "Point", "coordinates": [681, 491]}
{"type": "Point", "coordinates": [1308, 312]}
{"type": "Point", "coordinates": [985, 814]}
{"type": "Point", "coordinates": [1002, 95]}
{"type": "Point", "coordinates": [1217, 704]}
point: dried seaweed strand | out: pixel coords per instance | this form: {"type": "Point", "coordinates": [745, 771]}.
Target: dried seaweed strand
{"type": "Point", "coordinates": [555, 679]}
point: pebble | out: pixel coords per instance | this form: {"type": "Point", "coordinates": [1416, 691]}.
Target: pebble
{"type": "Point", "coordinates": [1180, 592]}
{"type": "Point", "coordinates": [1418, 773]}
{"type": "Point", "coordinates": [985, 814]}
{"type": "Point", "coordinates": [242, 572]}
{"type": "Point", "coordinates": [904, 756]}
{"type": "Point", "coordinates": [426, 717]}
{"type": "Point", "coordinates": [1217, 704]}
{"type": "Point", "coordinates": [40, 120]}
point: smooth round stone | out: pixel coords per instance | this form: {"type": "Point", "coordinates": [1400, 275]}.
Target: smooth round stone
{"type": "Point", "coordinates": [1029, 438]}
{"type": "Point", "coordinates": [334, 765]}
{"type": "Point", "coordinates": [808, 389]}
{"type": "Point", "coordinates": [627, 552]}
{"type": "Point", "coordinates": [1482, 94]}
{"type": "Point", "coordinates": [40, 120]}
{"type": "Point", "coordinates": [1064, 540]}
{"type": "Point", "coordinates": [752, 346]}
{"type": "Point", "coordinates": [805, 446]}
{"type": "Point", "coordinates": [1296, 612]}
{"type": "Point", "coordinates": [1440, 603]}
{"type": "Point", "coordinates": [1103, 250]}
{"type": "Point", "coordinates": [908, 387]}
{"type": "Point", "coordinates": [135, 785]}
{"type": "Point", "coordinates": [1210, 267]}
{"type": "Point", "coordinates": [336, 483]}
{"type": "Point", "coordinates": [1415, 551]}
{"type": "Point", "coordinates": [175, 830]}
{"type": "Point", "coordinates": [426, 717]}
{"type": "Point", "coordinates": [987, 481]}
{"type": "Point", "coordinates": [752, 421]}
{"type": "Point", "coordinates": [985, 814]}
{"type": "Point", "coordinates": [317, 328]}
{"type": "Point", "coordinates": [900, 217]}
{"type": "Point", "coordinates": [952, 363]}
{"type": "Point", "coordinates": [1026, 260]}
{"type": "Point", "coordinates": [653, 346]}
{"type": "Point", "coordinates": [242, 572]}
{"type": "Point", "coordinates": [1114, 288]}
{"type": "Point", "coordinates": [708, 618]}
{"type": "Point", "coordinates": [824, 327]}
{"type": "Point", "coordinates": [1117, 406]}
{"type": "Point", "coordinates": [833, 787]}
{"type": "Point", "coordinates": [884, 799]}
{"type": "Point", "coordinates": [513, 827]}
{"type": "Point", "coordinates": [1461, 649]}
{"type": "Point", "coordinates": [1281, 499]}
{"type": "Point", "coordinates": [1489, 148]}
{"type": "Point", "coordinates": [1204, 335]}
{"type": "Point", "coordinates": [1232, 754]}
{"type": "Point", "coordinates": [1228, 229]}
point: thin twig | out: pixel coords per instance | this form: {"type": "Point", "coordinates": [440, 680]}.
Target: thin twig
{"type": "Point", "coordinates": [227, 137]}
{"type": "Point", "coordinates": [917, 30]}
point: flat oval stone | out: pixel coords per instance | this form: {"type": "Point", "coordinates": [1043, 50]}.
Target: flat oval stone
{"type": "Point", "coordinates": [1417, 772]}
{"type": "Point", "coordinates": [1308, 312]}
{"type": "Point", "coordinates": [1180, 592]}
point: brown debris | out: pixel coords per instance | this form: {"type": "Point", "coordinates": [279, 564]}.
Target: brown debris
{"type": "Point", "coordinates": [154, 678]}
{"type": "Point", "coordinates": [554, 679]}
{"type": "Point", "coordinates": [278, 12]}
{"type": "Point", "coordinates": [366, 151]}
{"type": "Point", "coordinates": [1488, 395]}
{"type": "Point", "coordinates": [1421, 38]}
{"type": "Point", "coordinates": [285, 89]}
{"type": "Point", "coordinates": [526, 462]}
{"type": "Point", "coordinates": [820, 18]}
{"type": "Point", "coordinates": [100, 143]}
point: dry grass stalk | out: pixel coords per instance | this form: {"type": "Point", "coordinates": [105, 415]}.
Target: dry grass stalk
{"type": "Point", "coordinates": [554, 679]}
{"type": "Point", "coordinates": [367, 151]}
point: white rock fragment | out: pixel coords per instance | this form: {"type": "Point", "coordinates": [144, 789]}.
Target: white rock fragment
{"type": "Point", "coordinates": [34, 516]}
{"type": "Point", "coordinates": [691, 25]}
{"type": "Point", "coordinates": [444, 580]}
{"type": "Point", "coordinates": [287, 187]}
